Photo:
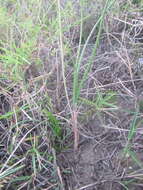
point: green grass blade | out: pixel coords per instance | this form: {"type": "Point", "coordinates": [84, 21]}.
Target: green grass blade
{"type": "Point", "coordinates": [20, 179]}
{"type": "Point", "coordinates": [78, 85]}
{"type": "Point", "coordinates": [135, 158]}
{"type": "Point", "coordinates": [11, 171]}
{"type": "Point", "coordinates": [133, 128]}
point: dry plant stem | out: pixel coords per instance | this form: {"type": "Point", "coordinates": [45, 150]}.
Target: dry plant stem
{"type": "Point", "coordinates": [74, 114]}
{"type": "Point", "coordinates": [58, 85]}
{"type": "Point", "coordinates": [130, 68]}
{"type": "Point", "coordinates": [128, 65]}
{"type": "Point", "coordinates": [75, 129]}
{"type": "Point", "coordinates": [119, 82]}
{"type": "Point", "coordinates": [60, 177]}
{"type": "Point", "coordinates": [58, 170]}
{"type": "Point", "coordinates": [91, 185]}
{"type": "Point", "coordinates": [126, 89]}
{"type": "Point", "coordinates": [62, 51]}
{"type": "Point", "coordinates": [50, 187]}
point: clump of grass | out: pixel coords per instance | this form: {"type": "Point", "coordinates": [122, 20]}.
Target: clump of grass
{"type": "Point", "coordinates": [78, 84]}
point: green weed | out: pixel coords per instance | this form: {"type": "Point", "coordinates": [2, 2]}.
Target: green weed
{"type": "Point", "coordinates": [9, 114]}
{"type": "Point", "coordinates": [102, 101]}
{"type": "Point", "coordinates": [54, 124]}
